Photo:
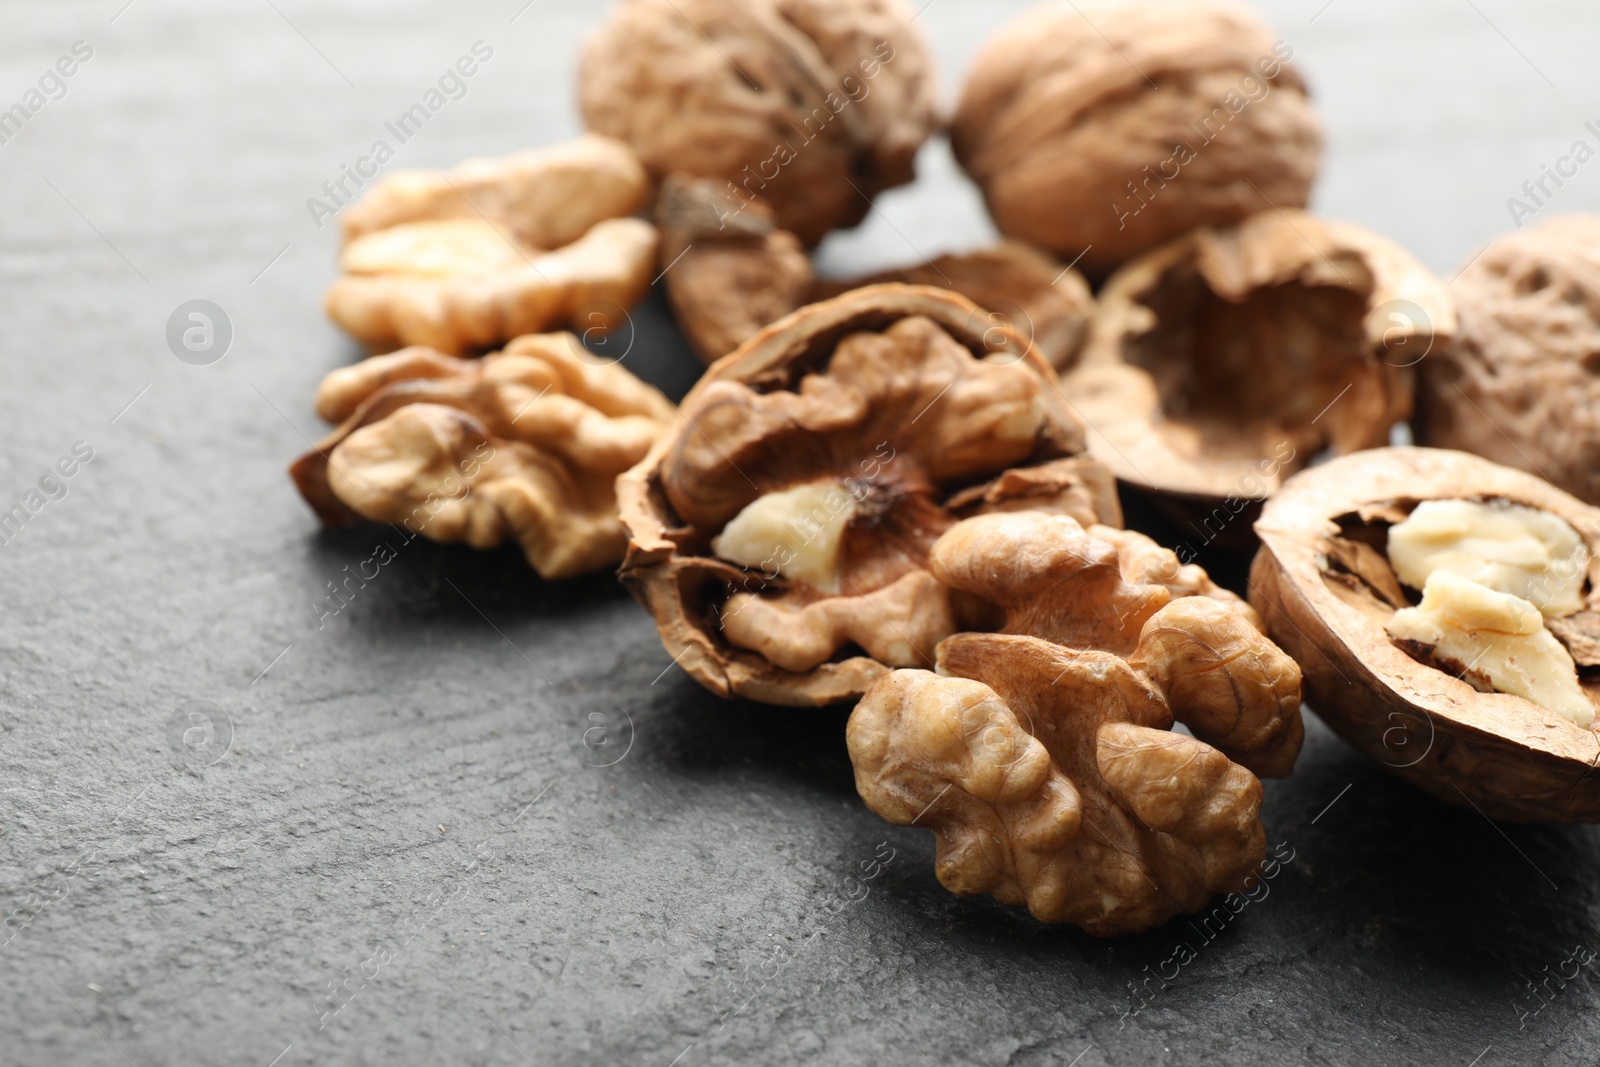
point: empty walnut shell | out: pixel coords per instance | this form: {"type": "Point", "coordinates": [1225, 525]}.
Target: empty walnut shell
{"type": "Point", "coordinates": [1041, 756]}
{"type": "Point", "coordinates": [1104, 132]}
{"type": "Point", "coordinates": [730, 271]}
{"type": "Point", "coordinates": [466, 259]}
{"type": "Point", "coordinates": [1324, 587]}
{"type": "Point", "coordinates": [1521, 383]}
{"type": "Point", "coordinates": [525, 443]}
{"type": "Point", "coordinates": [1227, 360]}
{"type": "Point", "coordinates": [815, 106]}
{"type": "Point", "coordinates": [909, 407]}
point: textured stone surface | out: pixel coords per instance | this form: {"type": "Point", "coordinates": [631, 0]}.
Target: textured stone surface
{"type": "Point", "coordinates": [687, 904]}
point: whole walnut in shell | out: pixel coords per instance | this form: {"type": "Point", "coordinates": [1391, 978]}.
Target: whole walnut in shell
{"type": "Point", "coordinates": [1327, 584]}
{"type": "Point", "coordinates": [730, 271]}
{"type": "Point", "coordinates": [466, 259]}
{"type": "Point", "coordinates": [780, 533]}
{"type": "Point", "coordinates": [814, 106]}
{"type": "Point", "coordinates": [1225, 361]}
{"type": "Point", "coordinates": [1521, 383]}
{"type": "Point", "coordinates": [1104, 132]}
{"type": "Point", "coordinates": [1042, 756]}
{"type": "Point", "coordinates": [525, 443]}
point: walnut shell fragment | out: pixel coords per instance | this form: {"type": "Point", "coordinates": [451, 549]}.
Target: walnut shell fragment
{"type": "Point", "coordinates": [1104, 132]}
{"type": "Point", "coordinates": [815, 106]}
{"type": "Point", "coordinates": [730, 270]}
{"type": "Point", "coordinates": [466, 259]}
{"type": "Point", "coordinates": [779, 534]}
{"type": "Point", "coordinates": [1325, 588]}
{"type": "Point", "coordinates": [525, 443]}
{"type": "Point", "coordinates": [1227, 360]}
{"type": "Point", "coordinates": [1042, 757]}
{"type": "Point", "coordinates": [1521, 383]}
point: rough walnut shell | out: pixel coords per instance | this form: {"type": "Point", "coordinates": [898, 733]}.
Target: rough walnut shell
{"type": "Point", "coordinates": [525, 443]}
{"type": "Point", "coordinates": [466, 259]}
{"type": "Point", "coordinates": [1324, 587]}
{"type": "Point", "coordinates": [730, 271]}
{"type": "Point", "coordinates": [1521, 383]}
{"type": "Point", "coordinates": [1227, 360]}
{"type": "Point", "coordinates": [1042, 758]}
{"type": "Point", "coordinates": [912, 394]}
{"type": "Point", "coordinates": [815, 106]}
{"type": "Point", "coordinates": [1106, 132]}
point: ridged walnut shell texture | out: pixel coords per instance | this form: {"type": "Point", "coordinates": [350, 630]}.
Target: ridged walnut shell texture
{"type": "Point", "coordinates": [915, 398]}
{"type": "Point", "coordinates": [1104, 132]}
{"type": "Point", "coordinates": [813, 105]}
{"type": "Point", "coordinates": [1521, 384]}
{"type": "Point", "coordinates": [1223, 362]}
{"type": "Point", "coordinates": [1318, 584]}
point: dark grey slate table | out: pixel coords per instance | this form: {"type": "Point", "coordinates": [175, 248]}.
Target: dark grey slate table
{"type": "Point", "coordinates": [393, 847]}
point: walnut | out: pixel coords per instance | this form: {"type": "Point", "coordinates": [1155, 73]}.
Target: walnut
{"type": "Point", "coordinates": [730, 271]}
{"type": "Point", "coordinates": [1041, 757]}
{"type": "Point", "coordinates": [1106, 132]}
{"type": "Point", "coordinates": [467, 259]}
{"type": "Point", "coordinates": [1227, 360]}
{"type": "Point", "coordinates": [525, 443]}
{"type": "Point", "coordinates": [1415, 685]}
{"type": "Point", "coordinates": [1519, 385]}
{"type": "Point", "coordinates": [815, 106]}
{"type": "Point", "coordinates": [780, 535]}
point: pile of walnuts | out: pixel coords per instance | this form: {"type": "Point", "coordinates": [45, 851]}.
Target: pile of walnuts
{"type": "Point", "coordinates": [906, 489]}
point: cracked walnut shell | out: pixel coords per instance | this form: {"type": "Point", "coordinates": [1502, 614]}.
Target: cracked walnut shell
{"type": "Point", "coordinates": [815, 106]}
{"type": "Point", "coordinates": [466, 259]}
{"type": "Point", "coordinates": [730, 271]}
{"type": "Point", "coordinates": [1521, 383]}
{"type": "Point", "coordinates": [1227, 360]}
{"type": "Point", "coordinates": [1327, 591]}
{"type": "Point", "coordinates": [525, 443]}
{"type": "Point", "coordinates": [779, 534]}
{"type": "Point", "coordinates": [1042, 756]}
{"type": "Point", "coordinates": [1104, 132]}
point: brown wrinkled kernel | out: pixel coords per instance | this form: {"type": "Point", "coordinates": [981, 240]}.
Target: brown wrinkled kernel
{"type": "Point", "coordinates": [525, 444]}
{"type": "Point", "coordinates": [1042, 756]}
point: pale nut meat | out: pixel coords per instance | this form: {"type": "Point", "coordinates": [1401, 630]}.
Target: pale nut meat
{"type": "Point", "coordinates": [780, 533]}
{"type": "Point", "coordinates": [1104, 132]}
{"type": "Point", "coordinates": [814, 106]}
{"type": "Point", "coordinates": [1224, 362]}
{"type": "Point", "coordinates": [524, 444]}
{"type": "Point", "coordinates": [1045, 764]}
{"type": "Point", "coordinates": [1330, 596]}
{"type": "Point", "coordinates": [1521, 383]}
{"type": "Point", "coordinates": [544, 197]}
{"type": "Point", "coordinates": [464, 260]}
{"type": "Point", "coordinates": [729, 271]}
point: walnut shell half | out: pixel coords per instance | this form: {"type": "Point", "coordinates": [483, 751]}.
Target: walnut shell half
{"type": "Point", "coordinates": [878, 419]}
{"type": "Point", "coordinates": [1521, 383]}
{"type": "Point", "coordinates": [1041, 756]}
{"type": "Point", "coordinates": [1326, 590]}
{"type": "Point", "coordinates": [1103, 132]}
{"type": "Point", "coordinates": [466, 259]}
{"type": "Point", "coordinates": [730, 271]}
{"type": "Point", "coordinates": [525, 443]}
{"type": "Point", "coordinates": [1227, 360]}
{"type": "Point", "coordinates": [815, 106]}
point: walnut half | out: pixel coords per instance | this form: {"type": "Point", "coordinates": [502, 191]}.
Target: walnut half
{"type": "Point", "coordinates": [780, 533]}
{"type": "Point", "coordinates": [1223, 362]}
{"type": "Point", "coordinates": [1042, 757]}
{"type": "Point", "coordinates": [466, 259]}
{"type": "Point", "coordinates": [525, 443]}
{"type": "Point", "coordinates": [1414, 685]}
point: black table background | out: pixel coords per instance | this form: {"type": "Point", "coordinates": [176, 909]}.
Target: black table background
{"type": "Point", "coordinates": [412, 773]}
